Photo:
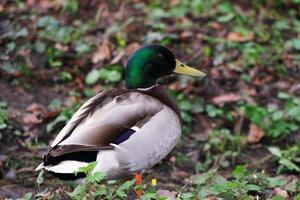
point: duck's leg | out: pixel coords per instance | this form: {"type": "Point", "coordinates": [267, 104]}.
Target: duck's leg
{"type": "Point", "coordinates": [138, 180]}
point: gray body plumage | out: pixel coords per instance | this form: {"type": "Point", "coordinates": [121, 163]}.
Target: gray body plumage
{"type": "Point", "coordinates": [157, 125]}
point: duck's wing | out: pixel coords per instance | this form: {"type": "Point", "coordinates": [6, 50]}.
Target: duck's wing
{"type": "Point", "coordinates": [82, 113]}
{"type": "Point", "coordinates": [101, 121]}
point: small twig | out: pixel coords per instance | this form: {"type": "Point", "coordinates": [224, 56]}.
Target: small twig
{"type": "Point", "coordinates": [259, 162]}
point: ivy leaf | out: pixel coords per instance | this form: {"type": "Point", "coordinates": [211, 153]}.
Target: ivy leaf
{"type": "Point", "coordinates": [22, 33]}
{"type": "Point", "coordinates": [219, 188]}
{"type": "Point", "coordinates": [275, 151]}
{"type": "Point", "coordinates": [40, 178]}
{"type": "Point", "coordinates": [47, 21]}
{"type": "Point", "coordinates": [276, 182]}
{"type": "Point", "coordinates": [88, 169]}
{"type": "Point", "coordinates": [92, 77]}
{"type": "Point", "coordinates": [78, 192]}
{"type": "Point", "coordinates": [82, 47]}
{"type": "Point", "coordinates": [251, 187]}
{"type": "Point", "coordinates": [185, 104]}
{"type": "Point", "coordinates": [124, 187]}
{"type": "Point", "coordinates": [256, 114]}
{"type": "Point", "coordinates": [278, 197]}
{"type": "Point", "coordinates": [127, 185]}
{"type": "Point", "coordinates": [55, 104]}
{"type": "Point", "coordinates": [114, 76]}
{"type": "Point", "coordinates": [96, 177]}
{"type": "Point", "coordinates": [40, 47]}
{"type": "Point", "coordinates": [226, 18]}
{"type": "Point", "coordinates": [289, 164]}
{"type": "Point", "coordinates": [295, 113]}
{"type": "Point", "coordinates": [295, 43]}
{"type": "Point", "coordinates": [283, 95]}
{"type": "Point", "coordinates": [101, 191]}
{"type": "Point", "coordinates": [240, 172]}
{"type": "Point", "coordinates": [28, 196]}
{"type": "Point", "coordinates": [187, 195]}
{"type": "Point", "coordinates": [3, 126]}
{"type": "Point", "coordinates": [110, 75]}
{"type": "Point", "coordinates": [61, 118]}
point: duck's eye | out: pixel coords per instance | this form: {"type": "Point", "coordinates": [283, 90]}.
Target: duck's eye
{"type": "Point", "coordinates": [160, 55]}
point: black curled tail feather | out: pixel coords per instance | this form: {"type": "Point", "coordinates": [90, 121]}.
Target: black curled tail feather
{"type": "Point", "coordinates": [50, 158]}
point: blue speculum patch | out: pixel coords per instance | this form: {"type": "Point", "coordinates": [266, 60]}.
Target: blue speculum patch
{"type": "Point", "coordinates": [124, 136]}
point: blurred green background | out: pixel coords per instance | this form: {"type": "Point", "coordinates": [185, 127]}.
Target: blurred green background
{"type": "Point", "coordinates": [241, 124]}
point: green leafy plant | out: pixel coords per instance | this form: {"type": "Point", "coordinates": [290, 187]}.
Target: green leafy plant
{"type": "Point", "coordinates": [55, 104]}
{"type": "Point", "coordinates": [27, 196]}
{"type": "Point", "coordinates": [16, 67]}
{"type": "Point", "coordinates": [112, 74]}
{"type": "Point", "coordinates": [40, 178]}
{"type": "Point", "coordinates": [288, 159]}
{"type": "Point", "coordinates": [54, 57]}
{"type": "Point", "coordinates": [65, 76]}
{"type": "Point", "coordinates": [253, 53]}
{"type": "Point", "coordinates": [221, 149]}
{"type": "Point", "coordinates": [227, 12]}
{"type": "Point", "coordinates": [276, 122]}
{"type": "Point", "coordinates": [215, 112]}
{"type": "Point", "coordinates": [243, 184]}
{"type": "Point", "coordinates": [62, 118]}
{"type": "Point", "coordinates": [71, 5]}
{"type": "Point", "coordinates": [188, 108]}
{"type": "Point", "coordinates": [213, 184]}
{"type": "Point", "coordinates": [95, 186]}
{"type": "Point", "coordinates": [51, 29]}
{"type": "Point", "coordinates": [3, 116]}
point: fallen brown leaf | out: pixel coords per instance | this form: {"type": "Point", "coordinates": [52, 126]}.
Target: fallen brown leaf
{"type": "Point", "coordinates": [26, 54]}
{"type": "Point", "coordinates": [174, 2]}
{"type": "Point", "coordinates": [61, 47]}
{"type": "Point", "coordinates": [79, 83]}
{"type": "Point", "coordinates": [281, 192]}
{"type": "Point", "coordinates": [35, 107]}
{"type": "Point", "coordinates": [173, 159]}
{"type": "Point", "coordinates": [46, 4]}
{"type": "Point", "coordinates": [255, 134]}
{"type": "Point", "coordinates": [238, 123]}
{"type": "Point", "coordinates": [3, 159]}
{"type": "Point", "coordinates": [186, 35]}
{"type": "Point", "coordinates": [212, 197]}
{"type": "Point", "coordinates": [215, 73]}
{"type": "Point", "coordinates": [238, 37]}
{"type": "Point", "coordinates": [131, 48]}
{"type": "Point", "coordinates": [182, 174]}
{"type": "Point", "coordinates": [170, 195]}
{"type": "Point", "coordinates": [117, 58]}
{"type": "Point", "coordinates": [50, 115]}
{"type": "Point", "coordinates": [216, 25]}
{"type": "Point", "coordinates": [102, 53]}
{"type": "Point", "coordinates": [199, 36]}
{"type": "Point", "coordinates": [31, 119]}
{"type": "Point", "coordinates": [43, 4]}
{"type": "Point", "coordinates": [30, 2]}
{"type": "Point", "coordinates": [225, 98]}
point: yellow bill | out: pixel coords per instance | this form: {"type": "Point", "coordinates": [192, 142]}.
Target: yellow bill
{"type": "Point", "coordinates": [186, 70]}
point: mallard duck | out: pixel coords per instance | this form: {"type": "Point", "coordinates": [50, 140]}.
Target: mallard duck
{"type": "Point", "coordinates": [124, 130]}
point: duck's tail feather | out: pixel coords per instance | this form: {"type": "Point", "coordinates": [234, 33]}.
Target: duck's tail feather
{"type": "Point", "coordinates": [41, 166]}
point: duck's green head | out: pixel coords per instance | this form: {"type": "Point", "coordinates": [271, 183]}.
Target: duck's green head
{"type": "Point", "coordinates": [152, 62]}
